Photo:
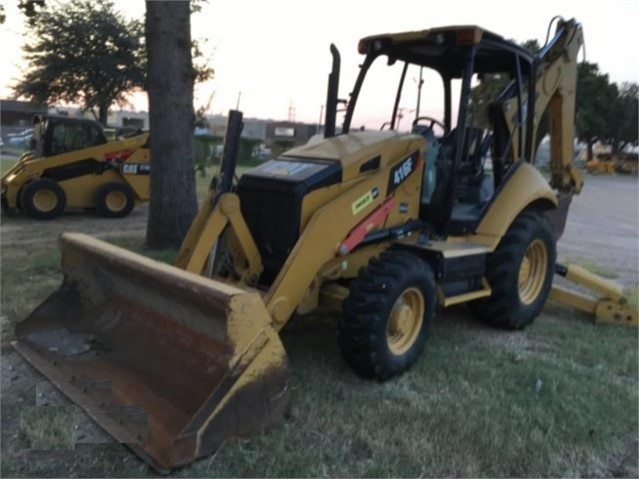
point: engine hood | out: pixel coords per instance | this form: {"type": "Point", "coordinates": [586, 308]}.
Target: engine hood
{"type": "Point", "coordinates": [360, 152]}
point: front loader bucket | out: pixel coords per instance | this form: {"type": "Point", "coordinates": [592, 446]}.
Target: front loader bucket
{"type": "Point", "coordinates": [166, 361]}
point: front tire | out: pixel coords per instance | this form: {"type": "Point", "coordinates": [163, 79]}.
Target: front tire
{"type": "Point", "coordinates": [387, 315]}
{"type": "Point", "coordinates": [520, 273]}
{"type": "Point", "coordinates": [43, 199]}
{"type": "Point", "coordinates": [114, 200]}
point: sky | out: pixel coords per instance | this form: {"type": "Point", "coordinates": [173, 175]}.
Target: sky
{"type": "Point", "coordinates": [275, 54]}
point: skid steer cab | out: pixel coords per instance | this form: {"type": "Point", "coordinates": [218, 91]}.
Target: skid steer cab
{"type": "Point", "coordinates": [382, 225]}
{"type": "Point", "coordinates": [71, 165]}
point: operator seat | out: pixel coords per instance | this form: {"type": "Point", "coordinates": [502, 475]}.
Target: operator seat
{"type": "Point", "coordinates": [471, 187]}
{"type": "Point", "coordinates": [474, 187]}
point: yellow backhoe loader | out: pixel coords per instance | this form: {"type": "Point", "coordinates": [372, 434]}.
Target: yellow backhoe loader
{"type": "Point", "coordinates": [381, 226]}
{"type": "Point", "coordinates": [72, 165]}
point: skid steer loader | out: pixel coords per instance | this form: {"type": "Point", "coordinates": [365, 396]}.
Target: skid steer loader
{"type": "Point", "coordinates": [381, 226]}
{"type": "Point", "coordinates": [72, 165]}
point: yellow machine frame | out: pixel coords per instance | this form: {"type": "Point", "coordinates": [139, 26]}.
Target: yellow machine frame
{"type": "Point", "coordinates": [124, 161]}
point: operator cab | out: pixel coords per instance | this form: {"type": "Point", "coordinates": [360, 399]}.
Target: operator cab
{"type": "Point", "coordinates": [470, 148]}
{"type": "Point", "coordinates": [56, 135]}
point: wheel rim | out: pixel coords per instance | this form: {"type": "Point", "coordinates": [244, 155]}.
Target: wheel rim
{"type": "Point", "coordinates": [405, 321]}
{"type": "Point", "coordinates": [45, 200]}
{"type": "Point", "coordinates": [115, 201]}
{"type": "Point", "coordinates": [532, 271]}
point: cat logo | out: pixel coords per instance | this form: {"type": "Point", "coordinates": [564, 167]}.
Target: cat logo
{"type": "Point", "coordinates": [135, 169]}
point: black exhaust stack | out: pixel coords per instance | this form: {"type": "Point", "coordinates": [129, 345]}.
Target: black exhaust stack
{"type": "Point", "coordinates": [331, 94]}
{"type": "Point", "coordinates": [230, 151]}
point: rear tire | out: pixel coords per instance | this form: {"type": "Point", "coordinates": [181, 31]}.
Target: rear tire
{"type": "Point", "coordinates": [43, 199]}
{"type": "Point", "coordinates": [520, 273]}
{"type": "Point", "coordinates": [387, 315]}
{"type": "Point", "coordinates": [114, 200]}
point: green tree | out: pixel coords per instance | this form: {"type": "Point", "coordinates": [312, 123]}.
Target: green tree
{"type": "Point", "coordinates": [203, 143]}
{"type": "Point", "coordinates": [31, 8]}
{"type": "Point", "coordinates": [623, 128]}
{"type": "Point", "coordinates": [597, 101]}
{"type": "Point", "coordinates": [86, 52]}
{"type": "Point", "coordinates": [83, 52]}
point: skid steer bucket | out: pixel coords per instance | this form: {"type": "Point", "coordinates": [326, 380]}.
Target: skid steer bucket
{"type": "Point", "coordinates": [166, 361]}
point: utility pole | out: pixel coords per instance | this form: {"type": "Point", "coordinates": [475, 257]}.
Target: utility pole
{"type": "Point", "coordinates": [400, 115]}
{"type": "Point", "coordinates": [319, 123]}
{"type": "Point", "coordinates": [291, 111]}
{"type": "Point", "coordinates": [239, 95]}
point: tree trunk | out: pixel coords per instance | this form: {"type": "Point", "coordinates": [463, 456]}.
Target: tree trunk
{"type": "Point", "coordinates": [589, 143]}
{"type": "Point", "coordinates": [103, 114]}
{"type": "Point", "coordinates": [173, 203]}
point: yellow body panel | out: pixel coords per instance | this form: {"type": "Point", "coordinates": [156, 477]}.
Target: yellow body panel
{"type": "Point", "coordinates": [357, 149]}
{"type": "Point", "coordinates": [525, 187]}
{"type": "Point", "coordinates": [80, 191]}
{"type": "Point", "coordinates": [354, 149]}
{"type": "Point", "coordinates": [319, 243]}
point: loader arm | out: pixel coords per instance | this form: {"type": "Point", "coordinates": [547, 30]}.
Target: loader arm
{"type": "Point", "coordinates": [318, 243]}
{"type": "Point", "coordinates": [205, 230]}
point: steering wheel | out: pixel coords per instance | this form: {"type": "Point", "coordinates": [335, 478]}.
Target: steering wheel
{"type": "Point", "coordinates": [433, 121]}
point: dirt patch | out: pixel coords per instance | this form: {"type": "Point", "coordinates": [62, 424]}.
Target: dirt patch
{"type": "Point", "coordinates": [22, 233]}
{"type": "Point", "coordinates": [625, 463]}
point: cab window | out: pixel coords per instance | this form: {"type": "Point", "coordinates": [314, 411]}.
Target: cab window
{"type": "Point", "coordinates": [70, 137]}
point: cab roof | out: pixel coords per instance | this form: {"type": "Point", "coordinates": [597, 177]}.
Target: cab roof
{"type": "Point", "coordinates": [445, 49]}
{"type": "Point", "coordinates": [470, 34]}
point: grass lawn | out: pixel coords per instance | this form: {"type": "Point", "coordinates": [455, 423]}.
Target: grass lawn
{"type": "Point", "coordinates": [46, 427]}
{"type": "Point", "coordinates": [589, 265]}
{"type": "Point", "coordinates": [558, 399]}
{"type": "Point", "coordinates": [6, 162]}
{"type": "Point", "coordinates": [13, 150]}
{"type": "Point", "coordinates": [202, 183]}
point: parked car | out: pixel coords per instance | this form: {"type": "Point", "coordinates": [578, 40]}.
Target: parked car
{"type": "Point", "coordinates": [22, 141]}
{"type": "Point", "coordinates": [28, 131]}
